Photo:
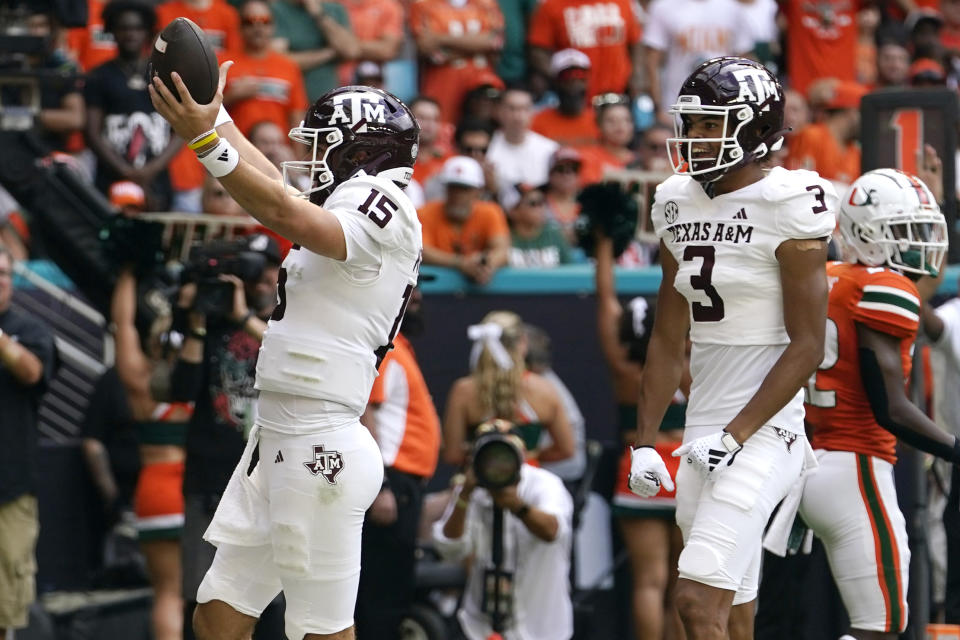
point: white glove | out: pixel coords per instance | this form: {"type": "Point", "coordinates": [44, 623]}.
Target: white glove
{"type": "Point", "coordinates": [710, 454]}
{"type": "Point", "coordinates": [648, 472]}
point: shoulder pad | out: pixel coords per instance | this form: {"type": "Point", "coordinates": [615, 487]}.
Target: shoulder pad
{"type": "Point", "coordinates": [806, 204]}
{"type": "Point", "coordinates": [390, 216]}
{"type": "Point", "coordinates": [673, 188]}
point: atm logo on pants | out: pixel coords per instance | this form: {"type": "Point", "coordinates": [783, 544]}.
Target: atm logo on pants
{"type": "Point", "coordinates": [329, 464]}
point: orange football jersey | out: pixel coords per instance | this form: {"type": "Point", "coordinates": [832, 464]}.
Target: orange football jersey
{"type": "Point", "coordinates": [836, 402]}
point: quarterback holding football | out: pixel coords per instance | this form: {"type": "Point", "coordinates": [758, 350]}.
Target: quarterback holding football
{"type": "Point", "coordinates": [292, 514]}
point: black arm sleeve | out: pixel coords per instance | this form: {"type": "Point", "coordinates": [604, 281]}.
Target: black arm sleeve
{"type": "Point", "coordinates": [186, 381]}
{"type": "Point", "coordinates": [872, 376]}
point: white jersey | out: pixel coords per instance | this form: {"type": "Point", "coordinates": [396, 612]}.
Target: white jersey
{"type": "Point", "coordinates": [728, 272]}
{"type": "Point", "coordinates": [335, 320]}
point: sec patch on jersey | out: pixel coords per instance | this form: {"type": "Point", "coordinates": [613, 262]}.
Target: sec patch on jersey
{"type": "Point", "coordinates": [183, 47]}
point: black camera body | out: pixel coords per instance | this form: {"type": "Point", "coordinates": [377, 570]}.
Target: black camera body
{"type": "Point", "coordinates": [208, 262]}
{"type": "Point", "coordinates": [497, 459]}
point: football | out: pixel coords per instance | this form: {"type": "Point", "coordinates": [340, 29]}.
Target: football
{"type": "Point", "coordinates": [183, 47]}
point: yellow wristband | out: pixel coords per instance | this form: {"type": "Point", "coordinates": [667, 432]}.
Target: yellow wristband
{"type": "Point", "coordinates": [203, 139]}
{"type": "Point", "coordinates": [462, 503]}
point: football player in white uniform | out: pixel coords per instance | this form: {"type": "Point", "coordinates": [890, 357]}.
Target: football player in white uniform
{"type": "Point", "coordinates": [742, 251]}
{"type": "Point", "coordinates": [292, 515]}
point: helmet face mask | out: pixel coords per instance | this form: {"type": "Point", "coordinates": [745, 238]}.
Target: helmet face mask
{"type": "Point", "coordinates": [349, 130]}
{"type": "Point", "coordinates": [318, 176]}
{"type": "Point", "coordinates": [748, 101]}
{"type": "Point", "coordinates": [890, 218]}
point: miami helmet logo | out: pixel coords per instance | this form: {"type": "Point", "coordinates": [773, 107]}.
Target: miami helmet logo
{"type": "Point", "coordinates": [328, 464]}
{"type": "Point", "coordinates": [356, 110]}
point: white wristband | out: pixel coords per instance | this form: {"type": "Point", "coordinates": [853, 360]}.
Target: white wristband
{"type": "Point", "coordinates": [220, 160]}
{"type": "Point", "coordinates": [222, 117]}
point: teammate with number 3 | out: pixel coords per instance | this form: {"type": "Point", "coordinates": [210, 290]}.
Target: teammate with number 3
{"type": "Point", "coordinates": [893, 234]}
{"type": "Point", "coordinates": [742, 251]}
{"type": "Point", "coordinates": [292, 515]}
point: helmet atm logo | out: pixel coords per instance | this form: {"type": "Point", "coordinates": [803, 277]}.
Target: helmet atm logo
{"type": "Point", "coordinates": [357, 109]}
{"type": "Point", "coordinates": [757, 86]}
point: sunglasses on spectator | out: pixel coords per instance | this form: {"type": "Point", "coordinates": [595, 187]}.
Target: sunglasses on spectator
{"type": "Point", "coordinates": [535, 202]}
{"type": "Point", "coordinates": [469, 151]}
{"type": "Point", "coordinates": [249, 21]}
{"type": "Point", "coordinates": [610, 99]}
{"type": "Point", "coordinates": [567, 168]}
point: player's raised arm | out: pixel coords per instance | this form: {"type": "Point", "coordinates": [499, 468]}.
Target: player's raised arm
{"type": "Point", "coordinates": [263, 197]}
{"type": "Point", "coordinates": [389, 135]}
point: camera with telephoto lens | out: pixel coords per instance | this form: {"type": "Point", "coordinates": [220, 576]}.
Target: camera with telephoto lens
{"type": "Point", "coordinates": [227, 257]}
{"type": "Point", "coordinates": [497, 455]}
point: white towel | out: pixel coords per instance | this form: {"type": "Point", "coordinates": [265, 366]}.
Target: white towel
{"type": "Point", "coordinates": [242, 516]}
{"type": "Point", "coordinates": [777, 537]}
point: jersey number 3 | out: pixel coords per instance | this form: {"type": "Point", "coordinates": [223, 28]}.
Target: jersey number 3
{"type": "Point", "coordinates": [702, 281]}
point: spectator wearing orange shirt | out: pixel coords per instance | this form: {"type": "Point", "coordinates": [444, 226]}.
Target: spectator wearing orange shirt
{"type": "Point", "coordinates": [821, 42]}
{"type": "Point", "coordinates": [434, 143]}
{"type": "Point", "coordinates": [606, 30]}
{"type": "Point", "coordinates": [378, 30]}
{"type": "Point", "coordinates": [462, 232]}
{"type": "Point", "coordinates": [404, 422]}
{"type": "Point", "coordinates": [572, 122]}
{"type": "Point", "coordinates": [92, 45]}
{"type": "Point", "coordinates": [263, 84]}
{"type": "Point", "coordinates": [221, 24]}
{"type": "Point", "coordinates": [457, 42]}
{"type": "Point", "coordinates": [219, 20]}
{"type": "Point", "coordinates": [615, 121]}
{"type": "Point", "coordinates": [830, 147]}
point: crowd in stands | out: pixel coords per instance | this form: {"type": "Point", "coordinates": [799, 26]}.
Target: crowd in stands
{"type": "Point", "coordinates": [521, 104]}
{"type": "Point", "coordinates": [541, 96]}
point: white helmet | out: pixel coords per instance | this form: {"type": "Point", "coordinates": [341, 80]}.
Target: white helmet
{"type": "Point", "coordinates": [889, 217]}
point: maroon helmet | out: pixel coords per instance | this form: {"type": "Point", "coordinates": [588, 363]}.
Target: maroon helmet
{"type": "Point", "coordinates": [353, 129]}
{"type": "Point", "coordinates": [747, 97]}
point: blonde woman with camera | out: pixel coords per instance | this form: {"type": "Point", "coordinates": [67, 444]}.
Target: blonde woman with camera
{"type": "Point", "coordinates": [499, 386]}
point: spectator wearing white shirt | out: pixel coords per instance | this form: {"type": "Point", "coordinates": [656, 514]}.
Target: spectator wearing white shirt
{"type": "Point", "coordinates": [681, 34]}
{"type": "Point", "coordinates": [537, 532]}
{"type": "Point", "coordinates": [520, 155]}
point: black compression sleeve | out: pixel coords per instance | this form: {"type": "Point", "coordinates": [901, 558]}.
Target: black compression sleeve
{"type": "Point", "coordinates": [873, 385]}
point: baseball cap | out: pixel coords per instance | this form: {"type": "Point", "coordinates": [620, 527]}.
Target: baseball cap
{"type": "Point", "coordinates": [463, 171]}
{"type": "Point", "coordinates": [565, 154]}
{"type": "Point", "coordinates": [568, 59]}
{"type": "Point", "coordinates": [846, 95]}
{"type": "Point", "coordinates": [127, 194]}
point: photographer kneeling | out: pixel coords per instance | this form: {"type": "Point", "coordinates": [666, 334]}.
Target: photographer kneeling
{"type": "Point", "coordinates": [228, 294]}
{"type": "Point", "coordinates": [513, 520]}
